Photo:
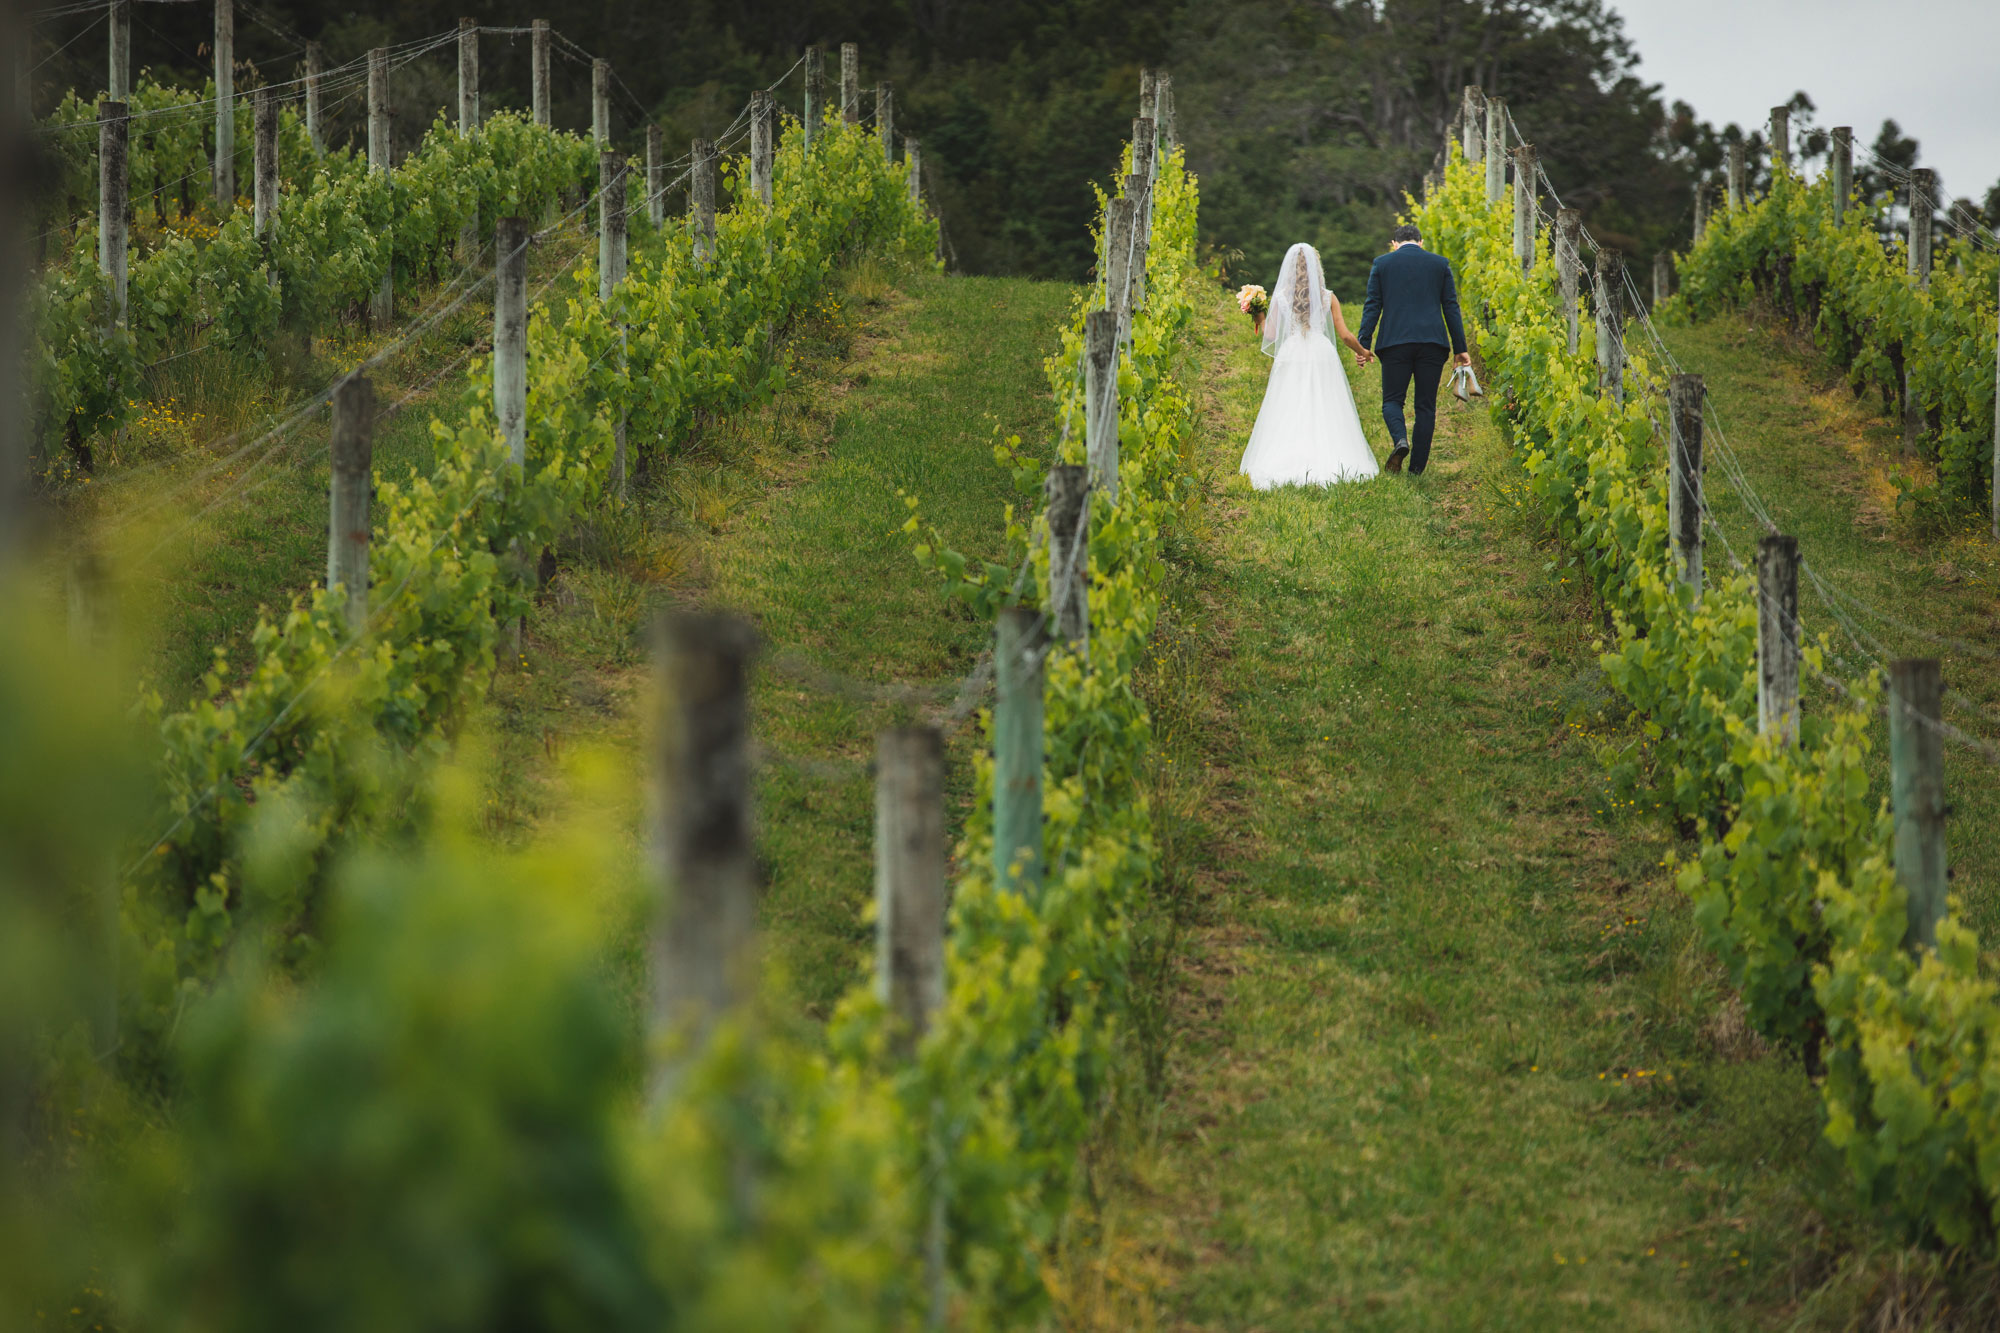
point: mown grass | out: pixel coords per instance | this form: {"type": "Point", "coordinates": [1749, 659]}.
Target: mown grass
{"type": "Point", "coordinates": [1824, 463]}
{"type": "Point", "coordinates": [1444, 1050]}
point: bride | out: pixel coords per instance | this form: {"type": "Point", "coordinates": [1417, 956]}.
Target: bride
{"type": "Point", "coordinates": [1308, 431]}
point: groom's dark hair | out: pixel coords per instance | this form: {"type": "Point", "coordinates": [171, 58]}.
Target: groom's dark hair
{"type": "Point", "coordinates": [1406, 232]}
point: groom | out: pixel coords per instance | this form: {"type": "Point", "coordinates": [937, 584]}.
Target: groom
{"type": "Point", "coordinates": [1412, 307]}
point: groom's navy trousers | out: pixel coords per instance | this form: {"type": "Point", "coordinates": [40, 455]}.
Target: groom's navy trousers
{"type": "Point", "coordinates": [1424, 363]}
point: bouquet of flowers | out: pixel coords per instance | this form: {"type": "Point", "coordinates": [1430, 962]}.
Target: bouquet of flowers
{"type": "Point", "coordinates": [1255, 302]}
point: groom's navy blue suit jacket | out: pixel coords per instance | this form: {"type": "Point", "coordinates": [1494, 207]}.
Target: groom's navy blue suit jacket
{"type": "Point", "coordinates": [1412, 299]}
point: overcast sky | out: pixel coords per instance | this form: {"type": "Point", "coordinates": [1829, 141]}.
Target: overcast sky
{"type": "Point", "coordinates": [1933, 68]}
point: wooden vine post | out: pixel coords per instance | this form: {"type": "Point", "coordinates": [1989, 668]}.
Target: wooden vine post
{"type": "Point", "coordinates": [761, 153]}
{"type": "Point", "coordinates": [706, 866]}
{"type": "Point", "coordinates": [1496, 149]}
{"type": "Point", "coordinates": [610, 223]}
{"type": "Point", "coordinates": [701, 199]}
{"type": "Point", "coordinates": [1066, 503]}
{"type": "Point", "coordinates": [656, 176]}
{"type": "Point", "coordinates": [113, 130]}
{"type": "Point", "coordinates": [913, 162]}
{"type": "Point", "coordinates": [468, 76]}
{"type": "Point", "coordinates": [600, 102]}
{"type": "Point", "coordinates": [315, 70]}
{"type": "Point", "coordinates": [538, 63]}
{"type": "Point", "coordinates": [850, 84]}
{"type": "Point", "coordinates": [1663, 278]}
{"type": "Point", "coordinates": [1147, 92]}
{"type": "Point", "coordinates": [1569, 262]}
{"type": "Point", "coordinates": [118, 81]}
{"type": "Point", "coordinates": [264, 210]}
{"type": "Point", "coordinates": [383, 308]}
{"type": "Point", "coordinates": [1471, 107]}
{"type": "Point", "coordinates": [1916, 793]}
{"type": "Point", "coordinates": [1684, 503]}
{"type": "Point", "coordinates": [885, 120]}
{"type": "Point", "coordinates": [1163, 111]}
{"type": "Point", "coordinates": [1524, 206]}
{"type": "Point", "coordinates": [510, 336]}
{"type": "Point", "coordinates": [815, 94]}
{"type": "Point", "coordinates": [1843, 171]}
{"type": "Point", "coordinates": [1778, 638]}
{"type": "Point", "coordinates": [1100, 400]}
{"type": "Point", "coordinates": [1700, 211]}
{"type": "Point", "coordinates": [1140, 191]}
{"type": "Point", "coordinates": [1781, 139]}
{"type": "Point", "coordinates": [1735, 154]}
{"type": "Point", "coordinates": [1923, 191]}
{"type": "Point", "coordinates": [347, 528]}
{"type": "Point", "coordinates": [1610, 296]}
{"type": "Point", "coordinates": [1017, 752]}
{"type": "Point", "coordinates": [224, 50]}
{"type": "Point", "coordinates": [1118, 224]}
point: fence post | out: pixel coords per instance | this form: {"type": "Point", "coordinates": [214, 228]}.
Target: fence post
{"type": "Point", "coordinates": [1610, 326]}
{"type": "Point", "coordinates": [885, 119]}
{"type": "Point", "coordinates": [1017, 751]}
{"type": "Point", "coordinates": [539, 70]}
{"type": "Point", "coordinates": [702, 195]}
{"type": "Point", "coordinates": [909, 879]}
{"type": "Point", "coordinates": [315, 66]}
{"type": "Point", "coordinates": [1496, 149]}
{"type": "Point", "coordinates": [700, 950]}
{"type": "Point", "coordinates": [347, 527]}
{"type": "Point", "coordinates": [913, 163]}
{"type": "Point", "coordinates": [510, 336]}
{"type": "Point", "coordinates": [1146, 91]}
{"type": "Point", "coordinates": [1781, 138]}
{"type": "Point", "coordinates": [1118, 222]}
{"type": "Point", "coordinates": [1736, 177]}
{"type": "Point", "coordinates": [1524, 206]}
{"type": "Point", "coordinates": [815, 93]}
{"type": "Point", "coordinates": [1569, 262]}
{"type": "Point", "coordinates": [225, 106]}
{"type": "Point", "coordinates": [264, 214]}
{"type": "Point", "coordinates": [656, 177]}
{"type": "Point", "coordinates": [850, 83]}
{"type": "Point", "coordinates": [1142, 147]}
{"type": "Point", "coordinates": [1163, 111]}
{"type": "Point", "coordinates": [1916, 793]}
{"type": "Point", "coordinates": [611, 223]}
{"type": "Point", "coordinates": [118, 86]}
{"type": "Point", "coordinates": [1922, 194]}
{"type": "Point", "coordinates": [468, 76]}
{"type": "Point", "coordinates": [1663, 277]}
{"type": "Point", "coordinates": [600, 102]}
{"type": "Point", "coordinates": [1100, 399]}
{"type": "Point", "coordinates": [1843, 170]}
{"type": "Point", "coordinates": [1700, 211]}
{"type": "Point", "coordinates": [1471, 105]}
{"type": "Point", "coordinates": [760, 147]}
{"type": "Point", "coordinates": [1140, 191]}
{"type": "Point", "coordinates": [1778, 638]}
{"type": "Point", "coordinates": [113, 129]}
{"type": "Point", "coordinates": [1684, 400]}
{"type": "Point", "coordinates": [383, 308]}
{"type": "Point", "coordinates": [1066, 503]}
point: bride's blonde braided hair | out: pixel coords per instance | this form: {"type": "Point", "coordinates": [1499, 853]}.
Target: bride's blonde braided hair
{"type": "Point", "coordinates": [1302, 295]}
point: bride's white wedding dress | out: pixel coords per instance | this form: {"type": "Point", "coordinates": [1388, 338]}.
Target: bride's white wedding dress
{"type": "Point", "coordinates": [1308, 431]}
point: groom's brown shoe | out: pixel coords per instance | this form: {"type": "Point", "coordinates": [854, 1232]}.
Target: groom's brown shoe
{"type": "Point", "coordinates": [1396, 457]}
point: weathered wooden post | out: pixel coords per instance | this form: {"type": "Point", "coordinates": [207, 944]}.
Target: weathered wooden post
{"type": "Point", "coordinates": [850, 83]}
{"type": "Point", "coordinates": [1146, 91]}
{"type": "Point", "coordinates": [468, 76]}
{"type": "Point", "coordinates": [1843, 171]}
{"type": "Point", "coordinates": [113, 129]}
{"type": "Point", "coordinates": [1610, 296]}
{"type": "Point", "coordinates": [1700, 211]}
{"type": "Point", "coordinates": [1923, 192]}
{"type": "Point", "coordinates": [225, 106]}
{"type": "Point", "coordinates": [1524, 206]}
{"type": "Point", "coordinates": [1142, 147]}
{"type": "Point", "coordinates": [1735, 153]}
{"type": "Point", "coordinates": [1471, 110]}
{"type": "Point", "coordinates": [913, 161]}
{"type": "Point", "coordinates": [600, 102]}
{"type": "Point", "coordinates": [706, 865]}
{"type": "Point", "coordinates": [1100, 399]}
{"type": "Point", "coordinates": [347, 522]}
{"type": "Point", "coordinates": [118, 83]}
{"type": "Point", "coordinates": [538, 63]}
{"type": "Point", "coordinates": [702, 195]}
{"type": "Point", "coordinates": [510, 336]}
{"type": "Point", "coordinates": [315, 69]}
{"type": "Point", "coordinates": [1778, 638]}
{"type": "Point", "coordinates": [1066, 503]}
{"type": "Point", "coordinates": [1781, 139]}
{"type": "Point", "coordinates": [1118, 226]}
{"type": "Point", "coordinates": [610, 223]}
{"type": "Point", "coordinates": [383, 308]}
{"type": "Point", "coordinates": [909, 879]}
{"type": "Point", "coordinates": [1916, 793]}
{"type": "Point", "coordinates": [264, 177]}
{"type": "Point", "coordinates": [1140, 191]}
{"type": "Point", "coordinates": [1163, 111]}
{"type": "Point", "coordinates": [1496, 149]}
{"type": "Point", "coordinates": [1017, 751]}
{"type": "Point", "coordinates": [1569, 264]}
{"type": "Point", "coordinates": [656, 176]}
{"type": "Point", "coordinates": [885, 119]}
{"type": "Point", "coordinates": [1684, 504]}
{"type": "Point", "coordinates": [815, 94]}
{"type": "Point", "coordinates": [761, 150]}
{"type": "Point", "coordinates": [1663, 278]}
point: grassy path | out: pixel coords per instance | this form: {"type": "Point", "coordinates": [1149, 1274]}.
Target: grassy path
{"type": "Point", "coordinates": [1444, 1051]}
